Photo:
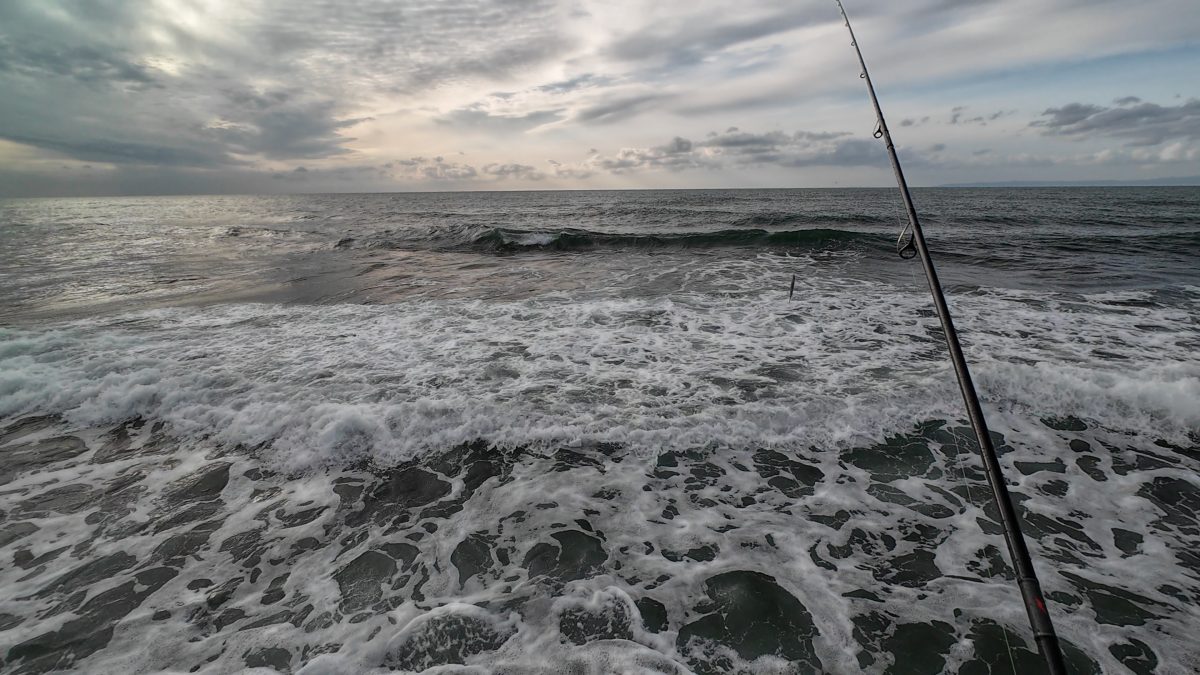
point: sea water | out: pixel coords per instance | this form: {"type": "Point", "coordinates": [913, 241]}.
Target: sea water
{"type": "Point", "coordinates": [589, 432]}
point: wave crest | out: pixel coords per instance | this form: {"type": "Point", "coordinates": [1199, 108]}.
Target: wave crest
{"type": "Point", "coordinates": [502, 239]}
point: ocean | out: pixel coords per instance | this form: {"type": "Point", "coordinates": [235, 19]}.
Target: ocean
{"type": "Point", "coordinates": [589, 432]}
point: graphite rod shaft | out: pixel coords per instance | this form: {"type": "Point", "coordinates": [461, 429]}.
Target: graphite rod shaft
{"type": "Point", "coordinates": [1031, 593]}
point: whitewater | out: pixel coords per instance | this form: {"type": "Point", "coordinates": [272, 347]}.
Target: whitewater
{"type": "Point", "coordinates": [589, 432]}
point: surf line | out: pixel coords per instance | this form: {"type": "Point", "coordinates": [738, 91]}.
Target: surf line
{"type": "Point", "coordinates": [913, 245]}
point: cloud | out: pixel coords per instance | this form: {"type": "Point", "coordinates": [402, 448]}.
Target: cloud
{"type": "Point", "coordinates": [676, 155]}
{"type": "Point", "coordinates": [1140, 124]}
{"type": "Point", "coordinates": [616, 110]}
{"type": "Point", "coordinates": [690, 39]}
{"type": "Point", "coordinates": [571, 172]}
{"type": "Point", "coordinates": [279, 124]}
{"type": "Point", "coordinates": [476, 116]}
{"type": "Point", "coordinates": [736, 149]}
{"type": "Point", "coordinates": [958, 115]}
{"type": "Point", "coordinates": [750, 143]}
{"type": "Point", "coordinates": [239, 89]}
{"type": "Point", "coordinates": [433, 169]}
{"type": "Point", "coordinates": [1067, 116]}
{"type": "Point", "coordinates": [575, 83]}
{"type": "Point", "coordinates": [377, 175]}
{"type": "Point", "coordinates": [208, 84]}
{"type": "Point", "coordinates": [236, 126]}
{"type": "Point", "coordinates": [128, 152]}
{"type": "Point", "coordinates": [50, 40]}
{"type": "Point", "coordinates": [83, 64]}
{"type": "Point", "coordinates": [408, 47]}
{"type": "Point", "coordinates": [802, 148]}
{"type": "Point", "coordinates": [514, 171]}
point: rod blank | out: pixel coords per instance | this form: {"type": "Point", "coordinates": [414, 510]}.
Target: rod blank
{"type": "Point", "coordinates": [1031, 592]}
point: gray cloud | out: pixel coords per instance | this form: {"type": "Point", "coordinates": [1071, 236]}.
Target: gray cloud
{"type": "Point", "coordinates": [432, 169]}
{"type": "Point", "coordinates": [154, 180]}
{"type": "Point", "coordinates": [160, 89]}
{"type": "Point", "coordinates": [735, 149]}
{"type": "Point", "coordinates": [125, 152]}
{"type": "Point", "coordinates": [263, 85]}
{"type": "Point", "coordinates": [82, 42]}
{"type": "Point", "coordinates": [477, 117]}
{"type": "Point", "coordinates": [619, 109]}
{"type": "Point", "coordinates": [571, 172]}
{"type": "Point", "coordinates": [418, 169]}
{"type": "Point", "coordinates": [164, 126]}
{"type": "Point", "coordinates": [847, 152]}
{"type": "Point", "coordinates": [345, 174]}
{"type": "Point", "coordinates": [1068, 115]}
{"type": "Point", "coordinates": [691, 39]}
{"type": "Point", "coordinates": [676, 155]}
{"type": "Point", "coordinates": [802, 148]}
{"type": "Point", "coordinates": [736, 138]}
{"type": "Point", "coordinates": [35, 59]}
{"type": "Point", "coordinates": [514, 171]}
{"type": "Point", "coordinates": [1141, 124]}
{"type": "Point", "coordinates": [409, 46]}
{"type": "Point", "coordinates": [575, 83]}
{"type": "Point", "coordinates": [282, 124]}
{"type": "Point", "coordinates": [958, 115]}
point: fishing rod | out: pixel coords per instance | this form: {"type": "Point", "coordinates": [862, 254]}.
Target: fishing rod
{"type": "Point", "coordinates": [913, 246]}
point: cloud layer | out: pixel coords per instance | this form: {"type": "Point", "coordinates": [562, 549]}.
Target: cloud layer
{"type": "Point", "coordinates": [1136, 122]}
{"type": "Point", "coordinates": [377, 94]}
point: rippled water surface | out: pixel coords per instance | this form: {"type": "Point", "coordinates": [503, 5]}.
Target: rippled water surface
{"type": "Point", "coordinates": [588, 432]}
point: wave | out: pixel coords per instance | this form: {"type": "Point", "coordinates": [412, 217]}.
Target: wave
{"type": "Point", "coordinates": [501, 239]}
{"type": "Point", "coordinates": [778, 219]}
{"type": "Point", "coordinates": [1134, 243]}
{"type": "Point", "coordinates": [331, 384]}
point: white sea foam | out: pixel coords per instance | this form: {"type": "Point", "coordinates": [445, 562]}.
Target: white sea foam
{"type": "Point", "coordinates": [314, 388]}
{"type": "Point", "coordinates": [327, 385]}
{"type": "Point", "coordinates": [776, 534]}
{"type": "Point", "coordinates": [580, 373]}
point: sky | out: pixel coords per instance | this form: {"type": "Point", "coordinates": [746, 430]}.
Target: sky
{"type": "Point", "coordinates": [102, 97]}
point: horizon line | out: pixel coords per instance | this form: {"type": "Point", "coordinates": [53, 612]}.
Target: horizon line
{"type": "Point", "coordinates": [998, 185]}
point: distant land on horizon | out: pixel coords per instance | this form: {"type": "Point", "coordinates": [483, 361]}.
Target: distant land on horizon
{"type": "Point", "coordinates": [1176, 181]}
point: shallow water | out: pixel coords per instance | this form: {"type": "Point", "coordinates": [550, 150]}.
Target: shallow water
{"type": "Point", "coordinates": [588, 432]}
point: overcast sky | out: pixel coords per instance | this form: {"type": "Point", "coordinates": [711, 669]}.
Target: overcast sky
{"type": "Point", "coordinates": [200, 96]}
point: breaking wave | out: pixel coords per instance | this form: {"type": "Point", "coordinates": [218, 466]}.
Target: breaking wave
{"type": "Point", "coordinates": [501, 239]}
